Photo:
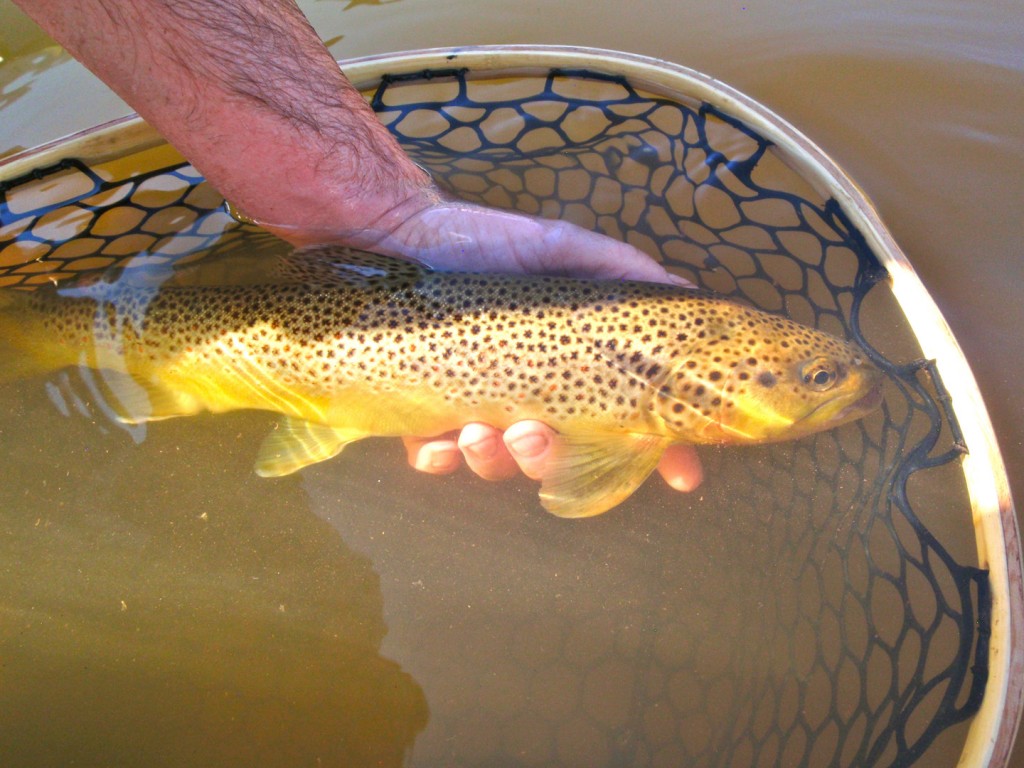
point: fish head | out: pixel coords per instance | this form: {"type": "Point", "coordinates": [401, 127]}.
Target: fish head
{"type": "Point", "coordinates": [769, 380]}
{"type": "Point", "coordinates": [795, 397]}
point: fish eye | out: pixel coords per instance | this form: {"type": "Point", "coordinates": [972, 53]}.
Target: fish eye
{"type": "Point", "coordinates": [820, 374]}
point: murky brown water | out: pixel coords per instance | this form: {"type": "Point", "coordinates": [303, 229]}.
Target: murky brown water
{"type": "Point", "coordinates": [922, 105]}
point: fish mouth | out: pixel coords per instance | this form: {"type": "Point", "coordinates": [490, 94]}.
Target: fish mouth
{"type": "Point", "coordinates": [860, 407]}
{"type": "Point", "coordinates": [863, 405]}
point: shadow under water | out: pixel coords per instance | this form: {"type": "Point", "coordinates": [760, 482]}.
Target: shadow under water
{"type": "Point", "coordinates": [160, 608]}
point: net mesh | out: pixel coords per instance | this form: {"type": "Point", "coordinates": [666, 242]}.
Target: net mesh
{"type": "Point", "coordinates": [858, 628]}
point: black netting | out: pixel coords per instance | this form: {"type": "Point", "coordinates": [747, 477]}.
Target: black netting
{"type": "Point", "coordinates": [98, 219]}
{"type": "Point", "coordinates": [863, 637]}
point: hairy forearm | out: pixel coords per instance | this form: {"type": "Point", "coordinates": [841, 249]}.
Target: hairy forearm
{"type": "Point", "coordinates": [248, 93]}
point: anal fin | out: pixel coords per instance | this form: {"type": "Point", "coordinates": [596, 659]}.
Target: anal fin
{"type": "Point", "coordinates": [592, 473]}
{"type": "Point", "coordinates": [296, 444]}
{"type": "Point", "coordinates": [134, 401]}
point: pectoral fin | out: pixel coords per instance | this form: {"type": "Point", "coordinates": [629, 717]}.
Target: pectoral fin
{"type": "Point", "coordinates": [591, 473]}
{"type": "Point", "coordinates": [296, 444]}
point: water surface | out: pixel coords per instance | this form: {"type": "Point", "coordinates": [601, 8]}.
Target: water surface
{"type": "Point", "coordinates": [176, 570]}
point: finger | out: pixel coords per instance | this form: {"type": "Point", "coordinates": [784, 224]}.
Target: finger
{"type": "Point", "coordinates": [434, 455]}
{"type": "Point", "coordinates": [452, 234]}
{"type": "Point", "coordinates": [530, 444]}
{"type": "Point", "coordinates": [572, 250]}
{"type": "Point", "coordinates": [485, 452]}
{"type": "Point", "coordinates": [681, 468]}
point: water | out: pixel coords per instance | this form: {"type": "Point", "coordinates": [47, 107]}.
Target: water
{"type": "Point", "coordinates": [244, 603]}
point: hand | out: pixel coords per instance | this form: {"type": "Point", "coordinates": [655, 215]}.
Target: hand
{"type": "Point", "coordinates": [456, 235]}
{"type": "Point", "coordinates": [459, 235]}
{"type": "Point", "coordinates": [525, 447]}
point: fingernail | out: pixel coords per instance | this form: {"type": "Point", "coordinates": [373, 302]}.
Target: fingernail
{"type": "Point", "coordinates": [687, 479]}
{"type": "Point", "coordinates": [677, 280]}
{"type": "Point", "coordinates": [443, 459]}
{"type": "Point", "coordinates": [484, 449]}
{"type": "Point", "coordinates": [530, 445]}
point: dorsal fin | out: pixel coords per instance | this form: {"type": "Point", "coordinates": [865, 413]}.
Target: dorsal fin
{"type": "Point", "coordinates": [322, 264]}
{"type": "Point", "coordinates": [339, 264]}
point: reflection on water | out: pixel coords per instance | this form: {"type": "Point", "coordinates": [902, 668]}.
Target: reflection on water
{"type": "Point", "coordinates": [17, 78]}
{"type": "Point", "coordinates": [349, 4]}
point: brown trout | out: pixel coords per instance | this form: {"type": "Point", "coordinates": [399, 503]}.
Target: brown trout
{"type": "Point", "coordinates": [345, 345]}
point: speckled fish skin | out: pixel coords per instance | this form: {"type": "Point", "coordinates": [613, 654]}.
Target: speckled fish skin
{"type": "Point", "coordinates": [347, 345]}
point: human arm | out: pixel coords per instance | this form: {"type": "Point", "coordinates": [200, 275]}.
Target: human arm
{"type": "Point", "coordinates": [249, 94]}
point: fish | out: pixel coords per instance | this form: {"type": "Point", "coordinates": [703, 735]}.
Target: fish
{"type": "Point", "coordinates": [345, 344]}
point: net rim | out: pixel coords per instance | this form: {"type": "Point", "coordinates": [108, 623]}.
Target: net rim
{"type": "Point", "coordinates": [994, 727]}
